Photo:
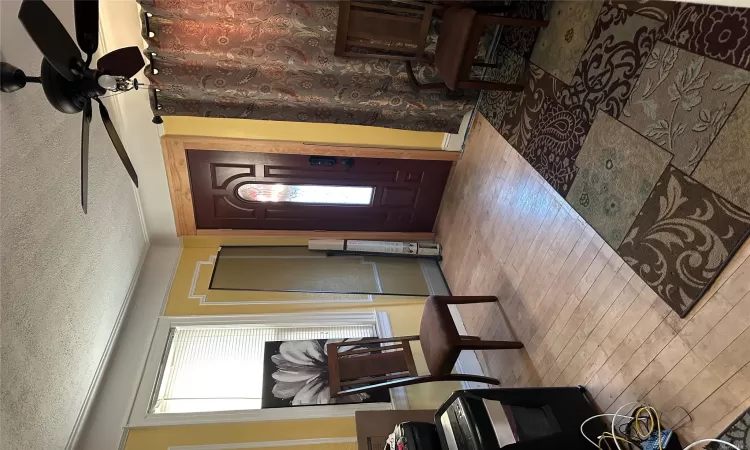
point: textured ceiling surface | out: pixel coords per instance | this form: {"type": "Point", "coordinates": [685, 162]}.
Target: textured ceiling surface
{"type": "Point", "coordinates": [63, 276]}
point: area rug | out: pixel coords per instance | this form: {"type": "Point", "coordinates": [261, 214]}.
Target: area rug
{"type": "Point", "coordinates": [738, 433]}
{"type": "Point", "coordinates": [636, 112]}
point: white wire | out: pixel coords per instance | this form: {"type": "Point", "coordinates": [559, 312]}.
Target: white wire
{"type": "Point", "coordinates": [617, 444]}
{"type": "Point", "coordinates": [616, 414]}
{"type": "Point", "coordinates": [712, 440]}
{"type": "Point", "coordinates": [594, 417]}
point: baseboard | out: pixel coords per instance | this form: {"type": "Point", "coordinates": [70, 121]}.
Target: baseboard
{"type": "Point", "coordinates": [468, 362]}
{"type": "Point", "coordinates": [454, 142]}
{"type": "Point", "coordinates": [102, 366]}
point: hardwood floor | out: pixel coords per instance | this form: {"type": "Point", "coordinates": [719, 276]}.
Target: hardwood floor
{"type": "Point", "coordinates": [583, 315]}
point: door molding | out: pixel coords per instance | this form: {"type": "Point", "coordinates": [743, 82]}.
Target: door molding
{"type": "Point", "coordinates": [175, 161]}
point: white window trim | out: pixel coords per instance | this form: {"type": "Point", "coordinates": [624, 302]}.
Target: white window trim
{"type": "Point", "coordinates": [266, 444]}
{"type": "Point", "coordinates": [140, 417]}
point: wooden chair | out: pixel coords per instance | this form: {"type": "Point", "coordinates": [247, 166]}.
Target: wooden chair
{"type": "Point", "coordinates": [460, 33]}
{"type": "Point", "coordinates": [388, 366]}
{"type": "Point", "coordinates": [385, 31]}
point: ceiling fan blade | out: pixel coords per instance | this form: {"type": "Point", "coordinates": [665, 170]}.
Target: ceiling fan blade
{"type": "Point", "coordinates": [117, 142]}
{"type": "Point", "coordinates": [124, 62]}
{"type": "Point", "coordinates": [87, 25]}
{"type": "Point", "coordinates": [85, 156]}
{"type": "Point", "coordinates": [50, 36]}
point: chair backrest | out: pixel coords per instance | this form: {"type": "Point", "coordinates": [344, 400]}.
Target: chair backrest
{"type": "Point", "coordinates": [369, 362]}
{"type": "Point", "coordinates": [382, 30]}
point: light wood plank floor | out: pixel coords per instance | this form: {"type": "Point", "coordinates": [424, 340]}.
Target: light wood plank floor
{"type": "Point", "coordinates": [583, 315]}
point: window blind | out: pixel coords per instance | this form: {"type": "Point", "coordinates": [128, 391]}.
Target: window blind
{"type": "Point", "coordinates": [220, 367]}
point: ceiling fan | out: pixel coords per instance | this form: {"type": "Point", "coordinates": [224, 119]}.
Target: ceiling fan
{"type": "Point", "coordinates": [69, 83]}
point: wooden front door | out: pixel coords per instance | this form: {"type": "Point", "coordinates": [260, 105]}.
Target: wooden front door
{"type": "Point", "coordinates": [237, 190]}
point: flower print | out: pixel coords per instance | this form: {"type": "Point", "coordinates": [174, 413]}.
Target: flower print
{"type": "Point", "coordinates": [329, 81]}
{"type": "Point", "coordinates": [191, 27]}
{"type": "Point", "coordinates": [192, 68]}
{"type": "Point", "coordinates": [323, 113]}
{"type": "Point", "coordinates": [193, 106]}
{"type": "Point", "coordinates": [273, 71]}
{"type": "Point", "coordinates": [683, 37]}
{"type": "Point", "coordinates": [584, 199]}
{"type": "Point", "coordinates": [612, 205]}
{"type": "Point", "coordinates": [301, 374]}
{"type": "Point", "coordinates": [728, 28]}
{"type": "Point", "coordinates": [323, 61]}
{"type": "Point", "coordinates": [326, 12]}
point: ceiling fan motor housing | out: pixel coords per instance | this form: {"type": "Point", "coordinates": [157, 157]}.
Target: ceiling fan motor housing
{"type": "Point", "coordinates": [65, 96]}
{"type": "Point", "coordinates": [69, 84]}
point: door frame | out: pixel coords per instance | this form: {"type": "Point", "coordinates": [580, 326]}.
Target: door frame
{"type": "Point", "coordinates": [174, 148]}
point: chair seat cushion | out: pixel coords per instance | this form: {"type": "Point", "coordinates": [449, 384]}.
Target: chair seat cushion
{"type": "Point", "coordinates": [452, 43]}
{"type": "Point", "coordinates": [438, 337]}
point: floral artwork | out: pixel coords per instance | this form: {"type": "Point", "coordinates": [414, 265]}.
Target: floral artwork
{"type": "Point", "coordinates": [616, 52]}
{"type": "Point", "coordinates": [718, 32]}
{"type": "Point", "coordinates": [682, 238]}
{"type": "Point", "coordinates": [617, 169]}
{"type": "Point", "coordinates": [567, 34]}
{"type": "Point", "coordinates": [725, 168]}
{"type": "Point", "coordinates": [295, 373]}
{"type": "Point", "coordinates": [655, 9]}
{"type": "Point", "coordinates": [555, 143]}
{"type": "Point", "coordinates": [521, 115]}
{"type": "Point", "coordinates": [682, 100]}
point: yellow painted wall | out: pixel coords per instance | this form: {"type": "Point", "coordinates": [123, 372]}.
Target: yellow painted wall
{"type": "Point", "coordinates": [161, 438]}
{"type": "Point", "coordinates": [325, 133]}
{"type": "Point", "coordinates": [404, 314]}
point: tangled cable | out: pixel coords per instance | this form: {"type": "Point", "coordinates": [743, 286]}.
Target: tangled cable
{"type": "Point", "coordinates": [643, 421]}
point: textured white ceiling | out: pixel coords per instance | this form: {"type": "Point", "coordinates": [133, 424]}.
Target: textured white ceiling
{"type": "Point", "coordinates": [63, 276]}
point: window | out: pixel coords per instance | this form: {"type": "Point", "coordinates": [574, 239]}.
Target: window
{"type": "Point", "coordinates": [208, 369]}
{"type": "Point", "coordinates": [306, 193]}
{"type": "Point", "coordinates": [220, 367]}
